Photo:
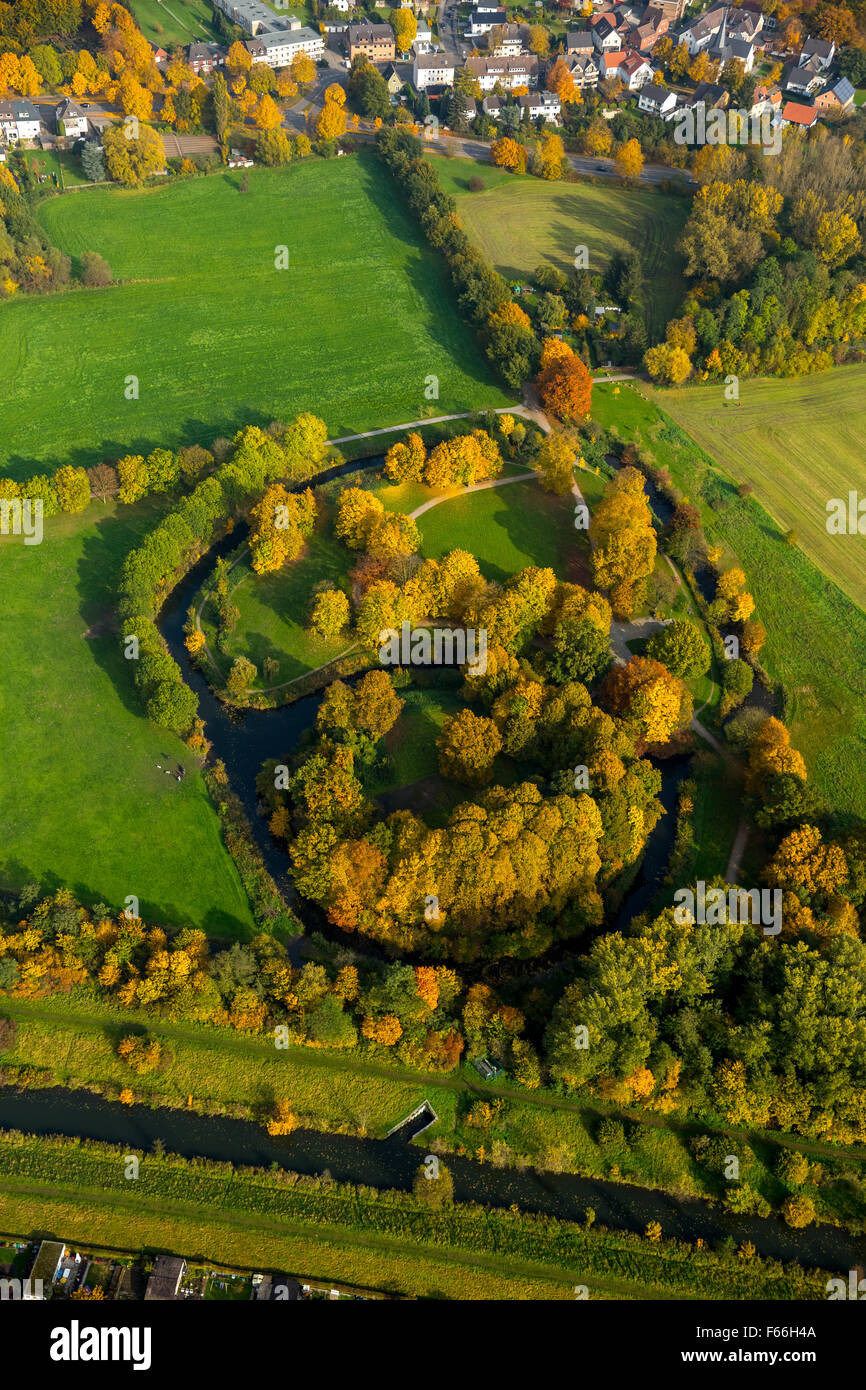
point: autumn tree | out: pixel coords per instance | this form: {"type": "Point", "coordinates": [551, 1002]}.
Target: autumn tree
{"type": "Point", "coordinates": [654, 703]}
{"type": "Point", "coordinates": [680, 647]}
{"type": "Point", "coordinates": [332, 119]}
{"type": "Point", "coordinates": [404, 461]}
{"type": "Point", "coordinates": [668, 364]}
{"type": "Point", "coordinates": [405, 27]}
{"type": "Point", "coordinates": [539, 40]}
{"type": "Point", "coordinates": [564, 383]}
{"type": "Point", "coordinates": [268, 114]}
{"type": "Point", "coordinates": [468, 746]}
{"type": "Point", "coordinates": [241, 676]}
{"type": "Point", "coordinates": [560, 81]}
{"type": "Point", "coordinates": [551, 154]}
{"type": "Point", "coordinates": [554, 462]}
{"type": "Point", "coordinates": [330, 613]}
{"type": "Point", "coordinates": [357, 512]}
{"type": "Point", "coordinates": [770, 752]}
{"type": "Point", "coordinates": [507, 154]}
{"type": "Point", "coordinates": [132, 160]}
{"type": "Point", "coordinates": [628, 160]}
{"type": "Point", "coordinates": [279, 526]}
{"type": "Point", "coordinates": [72, 487]}
{"type": "Point", "coordinates": [303, 69]}
{"type": "Point", "coordinates": [623, 541]}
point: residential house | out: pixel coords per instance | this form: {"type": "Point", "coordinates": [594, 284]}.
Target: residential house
{"type": "Point", "coordinates": [725, 47]}
{"type": "Point", "coordinates": [545, 104]}
{"type": "Point", "coordinates": [645, 36]}
{"type": "Point", "coordinates": [657, 101]}
{"type": "Point", "coordinates": [482, 20]}
{"type": "Point", "coordinates": [631, 68]}
{"type": "Point", "coordinates": [344, 6]}
{"type": "Point", "coordinates": [278, 47]}
{"type": "Point", "coordinates": [423, 41]}
{"type": "Point", "coordinates": [19, 120]}
{"type": "Point", "coordinates": [166, 1278]}
{"type": "Point", "coordinates": [820, 50]}
{"type": "Point", "coordinates": [584, 71]}
{"type": "Point", "coordinates": [511, 72]}
{"type": "Point", "coordinates": [46, 1269]}
{"type": "Point", "coordinates": [393, 80]}
{"type": "Point", "coordinates": [805, 78]}
{"type": "Point", "coordinates": [606, 37]}
{"type": "Point", "coordinates": [71, 120]}
{"type": "Point", "coordinates": [160, 57]}
{"type": "Point", "coordinates": [734, 24]}
{"type": "Point", "coordinates": [204, 58]}
{"type": "Point", "coordinates": [835, 99]}
{"type": "Point", "coordinates": [579, 41]}
{"type": "Point", "coordinates": [672, 10]}
{"type": "Point", "coordinates": [492, 106]}
{"type": "Point", "coordinates": [710, 94]}
{"type": "Point", "coordinates": [254, 17]}
{"type": "Point", "coordinates": [795, 113]}
{"type": "Point", "coordinates": [766, 98]}
{"type": "Point", "coordinates": [506, 41]}
{"type": "Point", "coordinates": [432, 70]}
{"type": "Point", "coordinates": [374, 41]}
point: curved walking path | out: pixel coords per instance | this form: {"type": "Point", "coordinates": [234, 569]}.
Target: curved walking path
{"type": "Point", "coordinates": [467, 491]}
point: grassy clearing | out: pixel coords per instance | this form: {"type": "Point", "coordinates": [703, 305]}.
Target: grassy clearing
{"type": "Point", "coordinates": [166, 22]}
{"type": "Point", "coordinates": [410, 747]}
{"type": "Point", "coordinates": [219, 338]}
{"type": "Point", "coordinates": [798, 443]}
{"type": "Point", "coordinates": [816, 643]}
{"type": "Point", "coordinates": [521, 222]}
{"type": "Point", "coordinates": [87, 807]}
{"type": "Point", "coordinates": [505, 528]}
{"type": "Point", "coordinates": [274, 610]}
{"type": "Point", "coordinates": [55, 162]}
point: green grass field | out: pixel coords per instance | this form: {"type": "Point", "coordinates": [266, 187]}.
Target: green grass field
{"type": "Point", "coordinates": [273, 611]}
{"type": "Point", "coordinates": [506, 529]}
{"type": "Point", "coordinates": [798, 443]}
{"type": "Point", "coordinates": [521, 222]}
{"type": "Point", "coordinates": [816, 643]}
{"type": "Point", "coordinates": [166, 22]}
{"type": "Point", "coordinates": [83, 804]}
{"type": "Point", "coordinates": [54, 162]}
{"type": "Point", "coordinates": [218, 337]}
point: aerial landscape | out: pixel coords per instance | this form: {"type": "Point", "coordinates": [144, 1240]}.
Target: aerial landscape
{"type": "Point", "coordinates": [433, 680]}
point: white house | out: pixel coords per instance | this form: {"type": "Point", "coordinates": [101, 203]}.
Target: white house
{"type": "Point", "coordinates": [19, 120]}
{"type": "Point", "coordinates": [657, 101]}
{"type": "Point", "coordinates": [252, 16]}
{"type": "Point", "coordinates": [507, 43]}
{"type": "Point", "coordinates": [71, 120]}
{"type": "Point", "coordinates": [545, 104]}
{"type": "Point", "coordinates": [511, 72]}
{"type": "Point", "coordinates": [483, 19]}
{"type": "Point", "coordinates": [277, 47]}
{"type": "Point", "coordinates": [605, 37]}
{"type": "Point", "coordinates": [631, 68]}
{"type": "Point", "coordinates": [819, 49]}
{"type": "Point", "coordinates": [432, 70]}
{"type": "Point", "coordinates": [423, 38]}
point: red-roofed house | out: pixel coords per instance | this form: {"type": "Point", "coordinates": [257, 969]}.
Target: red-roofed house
{"type": "Point", "coordinates": [631, 69]}
{"type": "Point", "coordinates": [793, 113]}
